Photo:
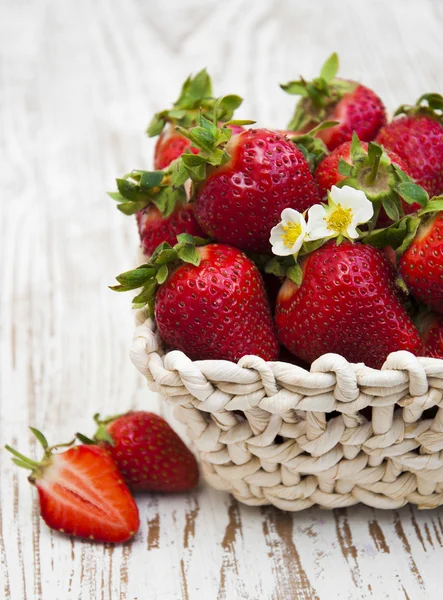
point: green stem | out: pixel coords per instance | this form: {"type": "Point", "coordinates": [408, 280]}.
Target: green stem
{"type": "Point", "coordinates": [373, 174]}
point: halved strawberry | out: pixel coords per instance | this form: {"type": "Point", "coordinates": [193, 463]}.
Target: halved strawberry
{"type": "Point", "coordinates": [81, 492]}
{"type": "Point", "coordinates": [354, 106]}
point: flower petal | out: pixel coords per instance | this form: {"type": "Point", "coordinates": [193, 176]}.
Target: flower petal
{"type": "Point", "coordinates": [291, 215]}
{"type": "Point", "coordinates": [348, 197]}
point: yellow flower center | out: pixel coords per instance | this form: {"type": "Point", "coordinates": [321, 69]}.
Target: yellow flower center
{"type": "Point", "coordinates": [339, 219]}
{"type": "Point", "coordinates": [292, 232]}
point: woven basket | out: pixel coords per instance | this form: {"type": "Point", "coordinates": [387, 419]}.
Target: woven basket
{"type": "Point", "coordinates": [274, 433]}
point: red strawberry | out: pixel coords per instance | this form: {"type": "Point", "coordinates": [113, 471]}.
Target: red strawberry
{"type": "Point", "coordinates": [259, 173]}
{"type": "Point", "coordinates": [373, 173]}
{"type": "Point", "coordinates": [195, 98]}
{"type": "Point", "coordinates": [431, 328]}
{"type": "Point", "coordinates": [155, 229]}
{"type": "Point", "coordinates": [212, 307]}
{"type": "Point", "coordinates": [170, 145]}
{"type": "Point", "coordinates": [421, 265]}
{"type": "Point", "coordinates": [347, 303]}
{"type": "Point", "coordinates": [82, 493]}
{"type": "Point", "coordinates": [148, 453]}
{"type": "Point", "coordinates": [161, 209]}
{"type": "Point", "coordinates": [417, 138]}
{"type": "Point", "coordinates": [354, 106]}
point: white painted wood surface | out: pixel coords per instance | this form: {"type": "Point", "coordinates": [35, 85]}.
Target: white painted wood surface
{"type": "Point", "coordinates": [79, 81]}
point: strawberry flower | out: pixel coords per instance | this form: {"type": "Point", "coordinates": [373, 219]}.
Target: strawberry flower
{"type": "Point", "coordinates": [346, 208]}
{"type": "Point", "coordinates": [288, 236]}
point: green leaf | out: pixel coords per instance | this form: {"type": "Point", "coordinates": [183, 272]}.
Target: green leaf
{"type": "Point", "coordinates": [84, 439]}
{"type": "Point", "coordinates": [147, 295]}
{"type": "Point", "coordinates": [150, 179]}
{"type": "Point", "coordinates": [168, 199]}
{"type": "Point", "coordinates": [344, 168]}
{"type": "Point", "coordinates": [185, 238]}
{"type": "Point", "coordinates": [162, 274]}
{"type": "Point", "coordinates": [330, 68]}
{"type": "Point", "coordinates": [435, 101]}
{"type": "Point", "coordinates": [166, 255]}
{"type": "Point", "coordinates": [193, 160]}
{"type": "Point", "coordinates": [401, 175]}
{"type": "Point", "coordinates": [295, 274]}
{"type": "Point", "coordinates": [130, 208]}
{"type": "Point", "coordinates": [227, 106]}
{"type": "Point", "coordinates": [391, 206]}
{"type": "Point", "coordinates": [137, 277]}
{"type": "Point", "coordinates": [179, 173]}
{"type": "Point", "coordinates": [323, 125]}
{"type": "Point", "coordinates": [189, 254]}
{"type": "Point", "coordinates": [40, 438]}
{"type": "Point", "coordinates": [116, 196]}
{"type": "Point", "coordinates": [276, 267]}
{"type": "Point", "coordinates": [128, 189]}
{"type": "Point", "coordinates": [411, 192]}
{"type": "Point", "coordinates": [397, 235]}
{"type": "Point", "coordinates": [357, 152]}
{"type": "Point", "coordinates": [434, 205]}
{"type": "Point", "coordinates": [239, 122]}
{"type": "Point", "coordinates": [295, 88]}
{"type": "Point", "coordinates": [156, 125]}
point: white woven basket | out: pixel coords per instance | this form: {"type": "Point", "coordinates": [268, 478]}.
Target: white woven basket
{"type": "Point", "coordinates": [274, 433]}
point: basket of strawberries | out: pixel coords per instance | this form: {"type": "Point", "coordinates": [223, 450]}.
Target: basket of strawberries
{"type": "Point", "coordinates": [291, 298]}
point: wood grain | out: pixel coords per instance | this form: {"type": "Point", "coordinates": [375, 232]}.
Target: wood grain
{"type": "Point", "coordinates": [79, 81]}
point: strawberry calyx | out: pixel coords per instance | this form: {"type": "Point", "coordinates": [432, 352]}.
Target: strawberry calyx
{"type": "Point", "coordinates": [433, 107]}
{"type": "Point", "coordinates": [102, 434]}
{"type": "Point", "coordinates": [37, 468]}
{"type": "Point", "coordinates": [318, 95]}
{"type": "Point", "coordinates": [211, 139]}
{"type": "Point", "coordinates": [313, 148]}
{"type": "Point", "coordinates": [383, 182]}
{"type": "Point", "coordinates": [400, 234]}
{"type": "Point", "coordinates": [195, 98]}
{"type": "Point", "coordinates": [138, 189]}
{"type": "Point", "coordinates": [154, 273]}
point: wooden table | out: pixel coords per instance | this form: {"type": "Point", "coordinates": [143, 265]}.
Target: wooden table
{"type": "Point", "coordinates": [79, 81]}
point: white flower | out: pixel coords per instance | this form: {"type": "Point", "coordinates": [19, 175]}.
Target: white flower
{"type": "Point", "coordinates": [347, 208]}
{"type": "Point", "coordinates": [287, 237]}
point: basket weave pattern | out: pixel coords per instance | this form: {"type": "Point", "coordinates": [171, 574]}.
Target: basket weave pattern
{"type": "Point", "coordinates": [274, 433]}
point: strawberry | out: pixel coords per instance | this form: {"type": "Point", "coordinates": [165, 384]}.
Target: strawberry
{"type": "Point", "coordinates": [431, 329]}
{"type": "Point", "coordinates": [417, 138]}
{"type": "Point", "coordinates": [161, 209]}
{"type": "Point", "coordinates": [370, 169]}
{"type": "Point", "coordinates": [242, 183]}
{"type": "Point", "coordinates": [148, 453]}
{"type": "Point", "coordinates": [346, 303]}
{"type": "Point", "coordinates": [195, 97]}
{"type": "Point", "coordinates": [170, 145]}
{"type": "Point", "coordinates": [155, 228]}
{"type": "Point", "coordinates": [354, 106]}
{"type": "Point", "coordinates": [81, 492]}
{"type": "Point", "coordinates": [212, 306]}
{"type": "Point", "coordinates": [421, 265]}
